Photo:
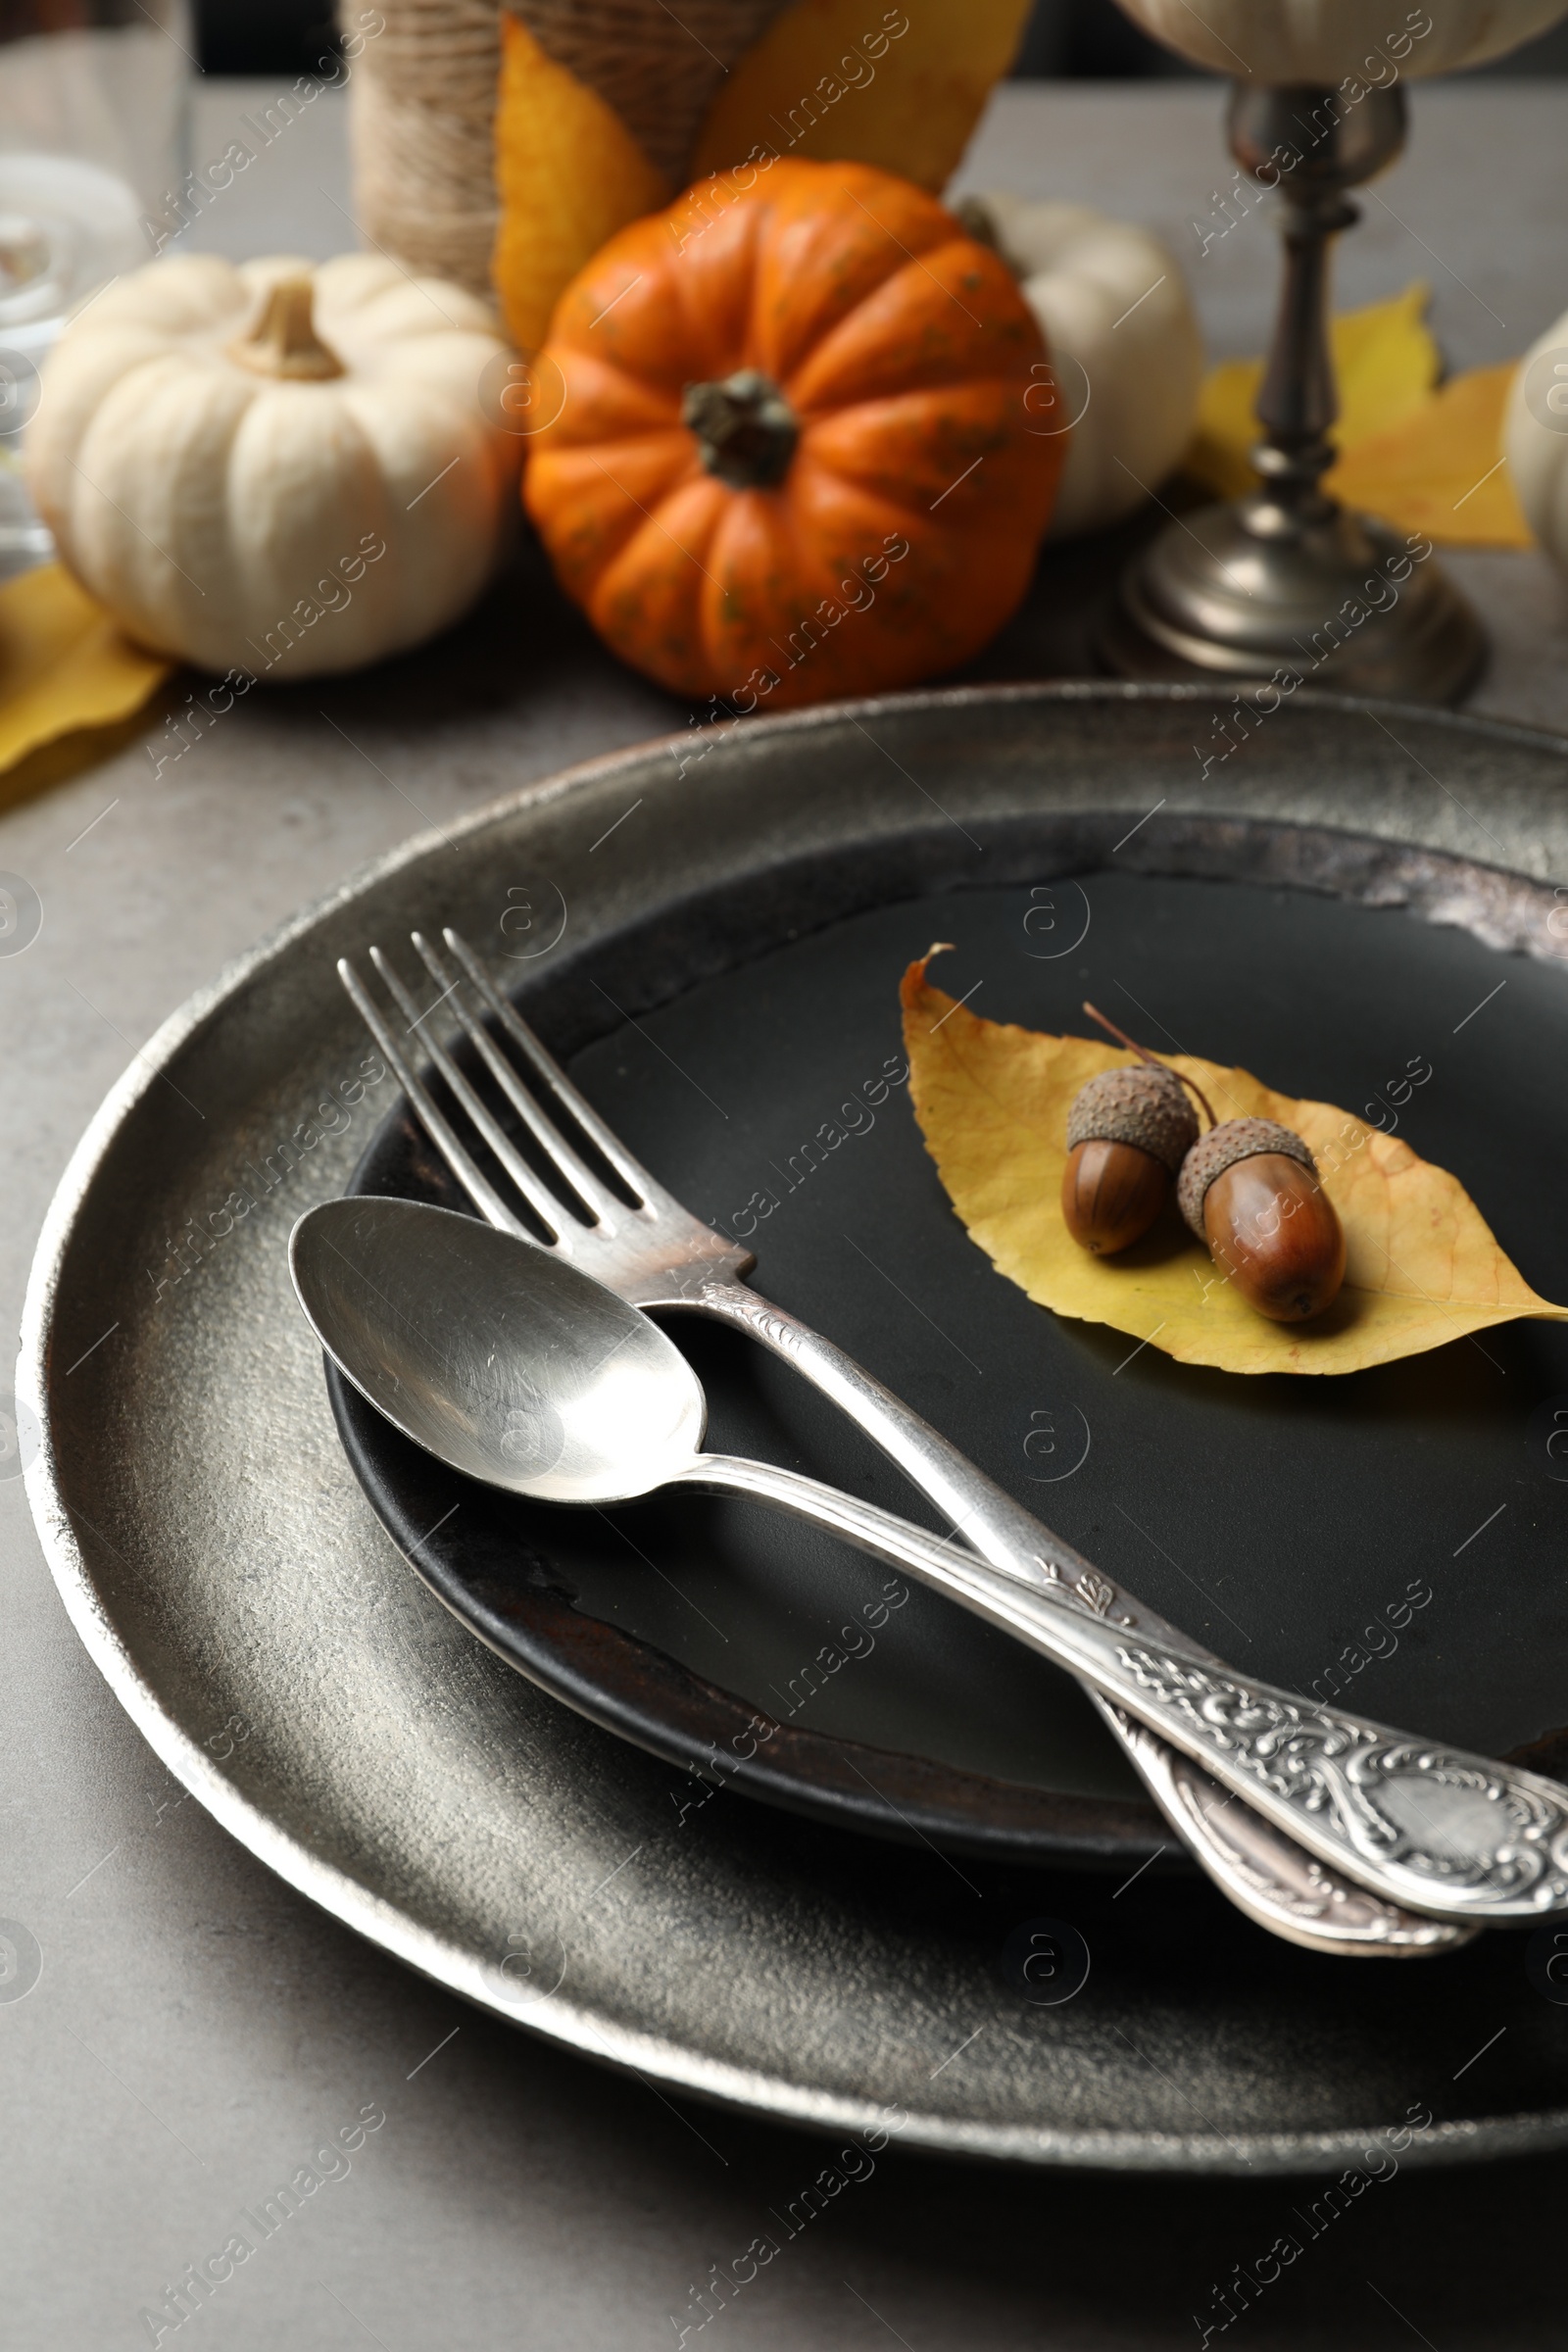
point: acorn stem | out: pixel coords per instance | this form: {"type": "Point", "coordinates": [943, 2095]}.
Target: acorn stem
{"type": "Point", "coordinates": [1144, 1054]}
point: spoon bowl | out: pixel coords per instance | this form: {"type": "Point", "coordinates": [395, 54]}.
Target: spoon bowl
{"type": "Point", "coordinates": [502, 1361]}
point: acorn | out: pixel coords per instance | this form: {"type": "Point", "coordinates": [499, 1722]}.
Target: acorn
{"type": "Point", "coordinates": [1128, 1133]}
{"type": "Point", "coordinates": [1249, 1188]}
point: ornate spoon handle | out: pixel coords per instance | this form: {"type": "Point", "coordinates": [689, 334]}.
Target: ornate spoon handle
{"type": "Point", "coordinates": [1262, 1868]}
{"type": "Point", "coordinates": [1267, 1875]}
{"type": "Point", "coordinates": [1425, 1826]}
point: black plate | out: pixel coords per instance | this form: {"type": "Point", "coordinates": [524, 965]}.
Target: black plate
{"type": "Point", "coordinates": [1291, 1523]}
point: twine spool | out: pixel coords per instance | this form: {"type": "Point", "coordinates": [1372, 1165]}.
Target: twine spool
{"type": "Point", "coordinates": [659, 70]}
{"type": "Point", "coordinates": [422, 96]}
{"type": "Point", "coordinates": [421, 108]}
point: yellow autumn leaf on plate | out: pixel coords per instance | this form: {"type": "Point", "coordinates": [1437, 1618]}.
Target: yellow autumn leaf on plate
{"type": "Point", "coordinates": [992, 1099]}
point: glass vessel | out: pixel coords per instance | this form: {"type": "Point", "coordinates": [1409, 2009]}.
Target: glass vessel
{"type": "Point", "coordinates": [92, 142]}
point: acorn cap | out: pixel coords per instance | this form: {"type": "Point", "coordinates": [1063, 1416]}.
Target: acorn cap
{"type": "Point", "coordinates": [1147, 1106]}
{"type": "Point", "coordinates": [1220, 1149]}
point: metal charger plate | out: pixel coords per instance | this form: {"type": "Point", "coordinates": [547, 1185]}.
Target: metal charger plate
{"type": "Point", "coordinates": [216, 1554]}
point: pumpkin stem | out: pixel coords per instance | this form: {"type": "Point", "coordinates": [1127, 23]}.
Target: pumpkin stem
{"type": "Point", "coordinates": [746, 429]}
{"type": "Point", "coordinates": [284, 342]}
{"type": "Point", "coordinates": [977, 220]}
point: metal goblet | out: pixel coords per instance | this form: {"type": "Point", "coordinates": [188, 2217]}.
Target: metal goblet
{"type": "Point", "coordinates": [1285, 586]}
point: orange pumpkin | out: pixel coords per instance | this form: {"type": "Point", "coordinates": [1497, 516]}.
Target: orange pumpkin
{"type": "Point", "coordinates": [797, 450]}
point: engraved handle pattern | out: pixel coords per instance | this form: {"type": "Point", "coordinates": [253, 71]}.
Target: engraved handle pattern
{"type": "Point", "coordinates": [1271, 1878]}
{"type": "Point", "coordinates": [1480, 1840]}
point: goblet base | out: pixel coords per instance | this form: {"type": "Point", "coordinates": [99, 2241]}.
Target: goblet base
{"type": "Point", "coordinates": [1250, 591]}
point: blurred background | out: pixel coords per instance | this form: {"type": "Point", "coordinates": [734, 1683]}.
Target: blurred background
{"type": "Point", "coordinates": [1089, 39]}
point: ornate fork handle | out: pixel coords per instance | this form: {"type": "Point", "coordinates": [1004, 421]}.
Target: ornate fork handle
{"type": "Point", "coordinates": [1448, 1836]}
{"type": "Point", "coordinates": [1454, 1834]}
{"type": "Point", "coordinates": [982, 1513]}
{"type": "Point", "coordinates": [1268, 1876]}
{"type": "Point", "coordinates": [1418, 1824]}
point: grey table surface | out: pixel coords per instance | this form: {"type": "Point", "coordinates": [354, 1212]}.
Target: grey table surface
{"type": "Point", "coordinates": [197, 2030]}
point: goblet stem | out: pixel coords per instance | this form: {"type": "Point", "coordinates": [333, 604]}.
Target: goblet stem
{"type": "Point", "coordinates": [1298, 402]}
{"type": "Point", "coordinates": [1313, 147]}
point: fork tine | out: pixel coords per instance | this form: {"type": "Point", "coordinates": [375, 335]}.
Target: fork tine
{"type": "Point", "coordinates": [552, 1213]}
{"type": "Point", "coordinates": [597, 1202]}
{"type": "Point", "coordinates": [486, 1200]}
{"type": "Point", "coordinates": [645, 1188]}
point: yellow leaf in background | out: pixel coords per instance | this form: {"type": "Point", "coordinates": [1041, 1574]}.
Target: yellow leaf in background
{"type": "Point", "coordinates": [807, 86]}
{"type": "Point", "coordinates": [64, 669]}
{"type": "Point", "coordinates": [1423, 456]}
{"type": "Point", "coordinates": [569, 173]}
{"type": "Point", "coordinates": [1386, 364]}
{"type": "Point", "coordinates": [1442, 471]}
{"type": "Point", "coordinates": [993, 1101]}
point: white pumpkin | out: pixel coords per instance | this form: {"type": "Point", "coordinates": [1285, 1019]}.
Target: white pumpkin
{"type": "Point", "coordinates": [1278, 42]}
{"type": "Point", "coordinates": [1116, 317]}
{"type": "Point", "coordinates": [276, 469]}
{"type": "Point", "coordinates": [1535, 439]}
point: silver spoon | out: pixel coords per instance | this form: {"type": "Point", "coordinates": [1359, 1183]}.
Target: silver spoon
{"type": "Point", "coordinates": [514, 1367]}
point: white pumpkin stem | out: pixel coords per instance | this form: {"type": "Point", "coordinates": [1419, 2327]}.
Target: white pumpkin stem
{"type": "Point", "coordinates": [284, 342]}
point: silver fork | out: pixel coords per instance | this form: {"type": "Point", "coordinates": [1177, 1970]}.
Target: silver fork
{"type": "Point", "coordinates": [653, 1253]}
